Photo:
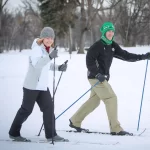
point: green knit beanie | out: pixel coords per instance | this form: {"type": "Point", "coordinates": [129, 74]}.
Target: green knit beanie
{"type": "Point", "coordinates": [107, 26]}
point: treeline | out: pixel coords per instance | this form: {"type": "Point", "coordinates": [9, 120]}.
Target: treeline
{"type": "Point", "coordinates": [76, 22]}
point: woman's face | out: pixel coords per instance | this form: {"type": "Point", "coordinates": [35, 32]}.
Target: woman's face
{"type": "Point", "coordinates": [109, 34]}
{"type": "Point", "coordinates": [48, 41]}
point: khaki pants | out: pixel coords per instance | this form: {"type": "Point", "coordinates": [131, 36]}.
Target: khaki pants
{"type": "Point", "coordinates": [104, 92]}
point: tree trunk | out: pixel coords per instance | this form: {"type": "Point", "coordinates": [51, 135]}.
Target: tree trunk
{"type": "Point", "coordinates": [70, 40]}
{"type": "Point", "coordinates": [93, 34]}
{"type": "Point", "coordinates": [21, 45]}
{"type": "Point", "coordinates": [1, 46]}
{"type": "Point", "coordinates": [83, 21]}
{"type": "Point", "coordinates": [81, 43]}
{"type": "Point", "coordinates": [1, 50]}
{"type": "Point", "coordinates": [0, 20]}
{"type": "Point", "coordinates": [1, 13]}
{"type": "Point", "coordinates": [126, 43]}
{"type": "Point", "coordinates": [73, 46]}
{"type": "Point", "coordinates": [133, 41]}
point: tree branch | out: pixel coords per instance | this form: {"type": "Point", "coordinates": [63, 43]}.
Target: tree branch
{"type": "Point", "coordinates": [4, 3]}
{"type": "Point", "coordinates": [112, 6]}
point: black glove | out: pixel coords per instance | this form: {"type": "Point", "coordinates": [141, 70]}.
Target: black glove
{"type": "Point", "coordinates": [53, 54]}
{"type": "Point", "coordinates": [100, 77]}
{"type": "Point", "coordinates": [62, 67]}
{"type": "Point", "coordinates": [146, 56]}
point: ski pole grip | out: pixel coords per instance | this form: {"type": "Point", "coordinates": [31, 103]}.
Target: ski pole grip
{"type": "Point", "coordinates": [66, 62]}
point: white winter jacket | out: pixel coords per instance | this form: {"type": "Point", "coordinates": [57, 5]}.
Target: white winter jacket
{"type": "Point", "coordinates": [39, 66]}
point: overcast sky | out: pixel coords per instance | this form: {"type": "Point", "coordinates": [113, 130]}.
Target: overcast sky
{"type": "Point", "coordinates": [13, 3]}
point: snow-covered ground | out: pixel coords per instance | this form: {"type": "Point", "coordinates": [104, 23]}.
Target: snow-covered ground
{"type": "Point", "coordinates": [126, 79]}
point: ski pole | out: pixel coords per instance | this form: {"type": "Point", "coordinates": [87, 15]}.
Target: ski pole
{"type": "Point", "coordinates": [77, 100]}
{"type": "Point", "coordinates": [142, 96]}
{"type": "Point", "coordinates": [60, 77]}
{"type": "Point", "coordinates": [72, 104]}
{"type": "Point", "coordinates": [54, 94]}
{"type": "Point", "coordinates": [53, 101]}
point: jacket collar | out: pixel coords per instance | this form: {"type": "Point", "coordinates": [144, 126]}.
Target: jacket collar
{"type": "Point", "coordinates": [44, 49]}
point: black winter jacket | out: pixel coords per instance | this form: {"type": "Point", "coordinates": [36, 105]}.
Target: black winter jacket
{"type": "Point", "coordinates": [99, 57]}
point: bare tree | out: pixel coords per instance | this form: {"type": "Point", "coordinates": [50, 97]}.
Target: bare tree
{"type": "Point", "coordinates": [35, 20]}
{"type": "Point", "coordinates": [2, 5]}
{"type": "Point", "coordinates": [133, 20]}
{"type": "Point", "coordinates": [89, 11]}
{"type": "Point", "coordinates": [29, 24]}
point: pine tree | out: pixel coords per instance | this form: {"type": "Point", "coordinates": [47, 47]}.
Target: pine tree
{"type": "Point", "coordinates": [58, 14]}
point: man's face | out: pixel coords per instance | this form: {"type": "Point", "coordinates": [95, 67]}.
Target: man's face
{"type": "Point", "coordinates": [48, 41]}
{"type": "Point", "coordinates": [109, 34]}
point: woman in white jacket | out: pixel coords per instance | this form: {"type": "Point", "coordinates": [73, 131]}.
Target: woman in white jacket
{"type": "Point", "coordinates": [35, 88]}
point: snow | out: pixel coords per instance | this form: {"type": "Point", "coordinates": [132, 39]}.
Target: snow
{"type": "Point", "coordinates": [127, 80]}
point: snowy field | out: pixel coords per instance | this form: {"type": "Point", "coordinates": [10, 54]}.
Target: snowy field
{"type": "Point", "coordinates": [126, 79]}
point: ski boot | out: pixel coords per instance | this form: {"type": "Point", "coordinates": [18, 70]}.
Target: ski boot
{"type": "Point", "coordinates": [78, 129]}
{"type": "Point", "coordinates": [58, 138]}
{"type": "Point", "coordinates": [19, 138]}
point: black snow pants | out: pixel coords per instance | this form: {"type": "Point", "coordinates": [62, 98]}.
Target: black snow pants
{"type": "Point", "coordinates": [44, 100]}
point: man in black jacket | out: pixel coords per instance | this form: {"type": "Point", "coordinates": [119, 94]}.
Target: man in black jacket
{"type": "Point", "coordinates": [98, 60]}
